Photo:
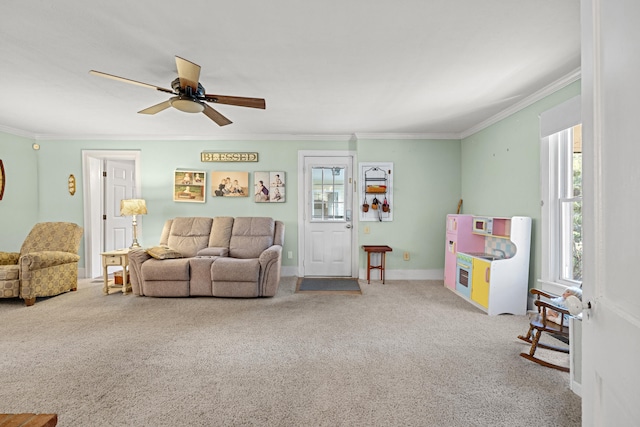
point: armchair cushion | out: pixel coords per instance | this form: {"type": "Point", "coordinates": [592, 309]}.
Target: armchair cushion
{"type": "Point", "coordinates": [9, 258]}
{"type": "Point", "coordinates": [10, 272]}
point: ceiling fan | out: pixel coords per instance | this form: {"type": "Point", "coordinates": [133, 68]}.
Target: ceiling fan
{"type": "Point", "coordinates": [189, 94]}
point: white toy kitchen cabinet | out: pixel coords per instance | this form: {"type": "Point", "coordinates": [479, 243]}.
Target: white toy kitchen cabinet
{"type": "Point", "coordinates": [500, 272]}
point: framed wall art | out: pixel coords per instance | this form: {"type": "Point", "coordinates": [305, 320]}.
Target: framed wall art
{"type": "Point", "coordinates": [229, 184]}
{"type": "Point", "coordinates": [189, 186]}
{"type": "Point", "coordinates": [269, 187]}
{"type": "Point", "coordinates": [1, 180]}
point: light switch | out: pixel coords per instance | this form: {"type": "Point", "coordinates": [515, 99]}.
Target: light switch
{"type": "Point", "coordinates": [367, 230]}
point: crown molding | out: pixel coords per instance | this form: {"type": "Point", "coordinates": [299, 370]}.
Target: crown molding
{"type": "Point", "coordinates": [17, 132]}
{"type": "Point", "coordinates": [537, 96]}
{"type": "Point", "coordinates": [396, 136]}
{"type": "Point", "coordinates": [217, 137]}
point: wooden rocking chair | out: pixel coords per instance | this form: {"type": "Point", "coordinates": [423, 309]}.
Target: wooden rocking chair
{"type": "Point", "coordinates": [539, 323]}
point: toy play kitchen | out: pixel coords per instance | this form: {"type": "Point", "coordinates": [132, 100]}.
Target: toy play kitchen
{"type": "Point", "coordinates": [487, 261]}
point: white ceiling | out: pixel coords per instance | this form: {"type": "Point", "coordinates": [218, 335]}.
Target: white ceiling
{"type": "Point", "coordinates": [325, 67]}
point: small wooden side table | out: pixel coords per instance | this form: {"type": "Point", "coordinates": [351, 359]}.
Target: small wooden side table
{"type": "Point", "coordinates": [382, 250]}
{"type": "Point", "coordinates": [111, 258]}
{"type": "Point", "coordinates": [29, 420]}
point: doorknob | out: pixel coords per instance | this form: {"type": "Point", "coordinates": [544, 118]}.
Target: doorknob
{"type": "Point", "coordinates": [576, 306]}
{"type": "Point", "coordinates": [348, 225]}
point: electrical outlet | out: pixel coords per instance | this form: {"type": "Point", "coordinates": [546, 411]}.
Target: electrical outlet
{"type": "Point", "coordinates": [406, 256]}
{"type": "Point", "coordinates": [367, 230]}
{"type": "Point", "coordinates": [290, 254]}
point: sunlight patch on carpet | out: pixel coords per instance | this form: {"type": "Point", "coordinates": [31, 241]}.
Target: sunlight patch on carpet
{"type": "Point", "coordinates": [328, 285]}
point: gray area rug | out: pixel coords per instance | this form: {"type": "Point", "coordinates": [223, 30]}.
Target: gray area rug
{"type": "Point", "coordinates": [328, 284]}
{"type": "Point", "coordinates": [411, 353]}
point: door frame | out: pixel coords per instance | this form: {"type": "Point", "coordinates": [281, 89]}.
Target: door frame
{"type": "Point", "coordinates": [93, 201]}
{"type": "Point", "coordinates": [302, 154]}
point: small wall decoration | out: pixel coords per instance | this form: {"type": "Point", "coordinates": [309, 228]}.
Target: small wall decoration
{"type": "Point", "coordinates": [1, 180]}
{"type": "Point", "coordinates": [269, 187]}
{"type": "Point", "coordinates": [210, 156]}
{"type": "Point", "coordinates": [376, 191]}
{"type": "Point", "coordinates": [230, 184]}
{"type": "Point", "coordinates": [189, 186]}
{"type": "Point", "coordinates": [72, 184]}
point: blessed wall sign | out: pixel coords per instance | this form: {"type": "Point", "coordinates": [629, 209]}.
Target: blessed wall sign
{"type": "Point", "coordinates": [212, 156]}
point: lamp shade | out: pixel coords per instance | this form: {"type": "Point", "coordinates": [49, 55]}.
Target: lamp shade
{"type": "Point", "coordinates": [133, 207]}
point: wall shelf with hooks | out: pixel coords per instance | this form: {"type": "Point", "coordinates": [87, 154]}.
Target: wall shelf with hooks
{"type": "Point", "coordinates": [376, 191]}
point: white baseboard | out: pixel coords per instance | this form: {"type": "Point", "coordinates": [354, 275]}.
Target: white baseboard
{"type": "Point", "coordinates": [404, 274]}
{"type": "Point", "coordinates": [437, 274]}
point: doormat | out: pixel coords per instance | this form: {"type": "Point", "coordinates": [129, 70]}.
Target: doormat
{"type": "Point", "coordinates": [327, 285]}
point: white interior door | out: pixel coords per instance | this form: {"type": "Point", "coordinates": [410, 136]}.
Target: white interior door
{"type": "Point", "coordinates": [119, 185]}
{"type": "Point", "coordinates": [94, 194]}
{"type": "Point", "coordinates": [611, 330]}
{"type": "Point", "coordinates": [328, 229]}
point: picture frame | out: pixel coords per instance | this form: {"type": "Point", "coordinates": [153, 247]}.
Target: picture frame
{"type": "Point", "coordinates": [189, 186]}
{"type": "Point", "coordinates": [2, 179]}
{"type": "Point", "coordinates": [229, 184]}
{"type": "Point", "coordinates": [269, 187]}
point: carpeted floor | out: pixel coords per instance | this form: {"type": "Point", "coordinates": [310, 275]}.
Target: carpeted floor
{"type": "Point", "coordinates": [410, 353]}
{"type": "Point", "coordinates": [328, 284]}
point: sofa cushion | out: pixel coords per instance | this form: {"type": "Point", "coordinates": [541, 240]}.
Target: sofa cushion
{"type": "Point", "coordinates": [163, 252]}
{"type": "Point", "coordinates": [221, 231]}
{"type": "Point", "coordinates": [235, 270]}
{"type": "Point", "coordinates": [251, 236]}
{"type": "Point", "coordinates": [166, 269]}
{"type": "Point", "coordinates": [189, 235]}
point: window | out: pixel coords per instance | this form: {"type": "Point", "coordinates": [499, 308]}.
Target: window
{"type": "Point", "coordinates": [561, 191]}
{"type": "Point", "coordinates": [569, 146]}
{"type": "Point", "coordinates": [328, 193]}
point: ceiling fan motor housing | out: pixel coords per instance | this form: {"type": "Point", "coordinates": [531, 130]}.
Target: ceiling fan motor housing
{"type": "Point", "coordinates": [188, 90]}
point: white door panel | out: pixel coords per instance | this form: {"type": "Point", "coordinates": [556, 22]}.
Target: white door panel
{"type": "Point", "coordinates": [329, 250]}
{"type": "Point", "coordinates": [611, 329]}
{"type": "Point", "coordinates": [120, 184]}
{"type": "Point", "coordinates": [328, 233]}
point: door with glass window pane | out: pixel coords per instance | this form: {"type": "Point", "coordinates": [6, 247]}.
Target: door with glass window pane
{"type": "Point", "coordinates": [328, 222]}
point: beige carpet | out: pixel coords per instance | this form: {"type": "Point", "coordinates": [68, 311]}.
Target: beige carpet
{"type": "Point", "coordinates": [402, 354]}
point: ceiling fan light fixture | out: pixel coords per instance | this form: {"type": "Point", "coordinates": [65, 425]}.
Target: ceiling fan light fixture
{"type": "Point", "coordinates": [187, 105]}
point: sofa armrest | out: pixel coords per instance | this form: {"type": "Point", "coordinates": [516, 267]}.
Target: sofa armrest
{"type": "Point", "coordinates": [213, 251]}
{"type": "Point", "coordinates": [44, 259]}
{"type": "Point", "coordinates": [9, 258]}
{"type": "Point", "coordinates": [136, 258]}
{"type": "Point", "coordinates": [270, 264]}
{"type": "Point", "coordinates": [271, 254]}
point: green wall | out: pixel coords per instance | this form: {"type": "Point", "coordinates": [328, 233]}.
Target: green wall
{"type": "Point", "coordinates": [426, 186]}
{"type": "Point", "coordinates": [495, 171]}
{"type": "Point", "coordinates": [501, 169]}
{"type": "Point", "coordinates": [19, 208]}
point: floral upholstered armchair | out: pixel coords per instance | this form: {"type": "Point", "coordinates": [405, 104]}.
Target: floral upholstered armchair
{"type": "Point", "coordinates": [46, 265]}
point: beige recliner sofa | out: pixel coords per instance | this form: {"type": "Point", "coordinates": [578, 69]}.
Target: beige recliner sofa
{"type": "Point", "coordinates": [221, 257]}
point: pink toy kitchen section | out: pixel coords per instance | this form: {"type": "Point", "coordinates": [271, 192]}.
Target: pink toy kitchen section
{"type": "Point", "coordinates": [487, 261]}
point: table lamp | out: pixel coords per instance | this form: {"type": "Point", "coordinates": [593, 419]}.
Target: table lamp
{"type": "Point", "coordinates": [133, 207]}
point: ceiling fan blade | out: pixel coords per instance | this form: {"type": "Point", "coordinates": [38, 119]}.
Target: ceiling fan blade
{"type": "Point", "coordinates": [237, 100]}
{"type": "Point", "coordinates": [189, 73]}
{"type": "Point", "coordinates": [156, 108]}
{"type": "Point", "coordinates": [215, 116]}
{"type": "Point", "coordinates": [122, 79]}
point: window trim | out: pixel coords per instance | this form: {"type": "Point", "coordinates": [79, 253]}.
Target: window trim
{"type": "Point", "coordinates": [563, 116]}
